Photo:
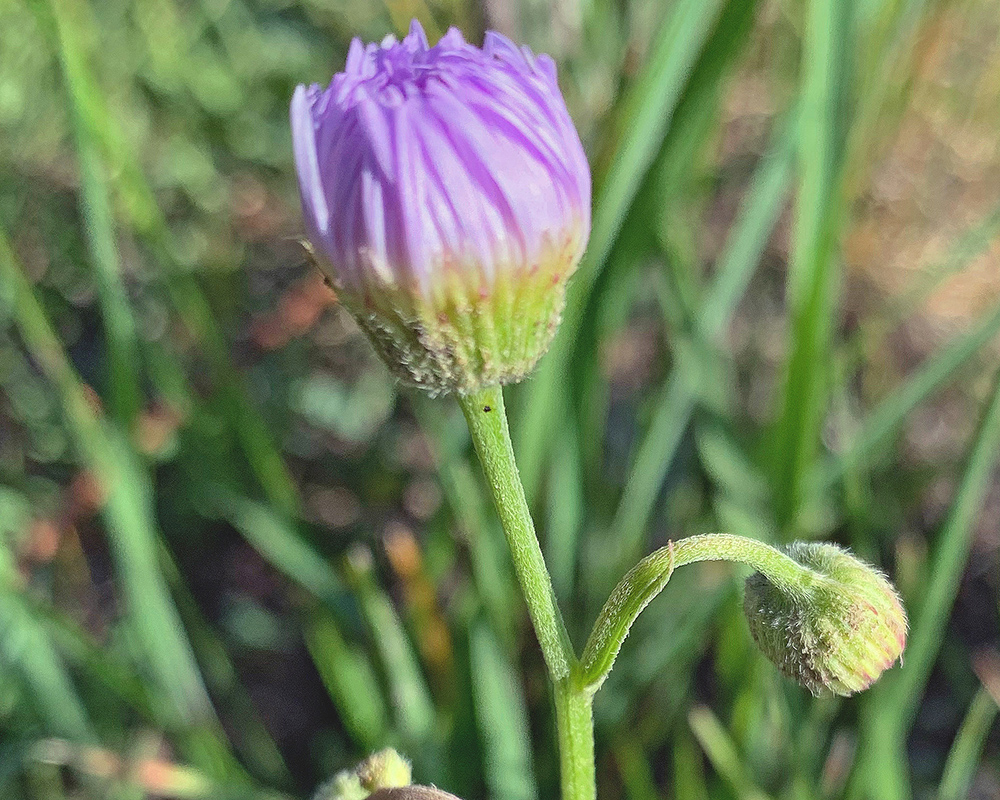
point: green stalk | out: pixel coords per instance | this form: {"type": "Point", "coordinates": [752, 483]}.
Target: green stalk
{"type": "Point", "coordinates": [575, 726]}
{"type": "Point", "coordinates": [781, 570]}
{"type": "Point", "coordinates": [647, 578]}
{"type": "Point", "coordinates": [484, 411]}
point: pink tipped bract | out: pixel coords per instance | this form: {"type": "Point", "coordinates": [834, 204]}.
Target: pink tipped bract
{"type": "Point", "coordinates": [422, 169]}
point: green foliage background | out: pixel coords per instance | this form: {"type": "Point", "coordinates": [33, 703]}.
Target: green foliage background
{"type": "Point", "coordinates": [235, 558]}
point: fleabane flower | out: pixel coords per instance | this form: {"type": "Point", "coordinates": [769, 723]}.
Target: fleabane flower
{"type": "Point", "coordinates": [446, 196]}
{"type": "Point", "coordinates": [837, 629]}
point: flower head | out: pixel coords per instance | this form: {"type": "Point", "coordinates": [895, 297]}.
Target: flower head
{"type": "Point", "coordinates": [837, 631]}
{"type": "Point", "coordinates": [447, 197]}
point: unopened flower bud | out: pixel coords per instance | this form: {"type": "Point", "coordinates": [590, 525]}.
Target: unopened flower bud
{"type": "Point", "coordinates": [342, 786]}
{"type": "Point", "coordinates": [446, 196]}
{"type": "Point", "coordinates": [385, 769]}
{"type": "Point", "coordinates": [838, 630]}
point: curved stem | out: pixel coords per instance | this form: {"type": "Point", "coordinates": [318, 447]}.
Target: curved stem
{"type": "Point", "coordinates": [484, 411]}
{"type": "Point", "coordinates": [781, 570]}
{"type": "Point", "coordinates": [647, 579]}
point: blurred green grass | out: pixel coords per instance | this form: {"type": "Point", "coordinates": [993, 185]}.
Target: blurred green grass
{"type": "Point", "coordinates": [235, 559]}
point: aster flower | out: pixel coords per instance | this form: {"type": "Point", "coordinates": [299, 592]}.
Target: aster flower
{"type": "Point", "coordinates": [446, 196]}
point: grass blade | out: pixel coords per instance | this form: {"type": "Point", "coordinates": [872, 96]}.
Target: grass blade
{"type": "Point", "coordinates": [250, 736]}
{"type": "Point", "coordinates": [349, 679]}
{"type": "Point", "coordinates": [502, 716]}
{"type": "Point", "coordinates": [636, 771]}
{"type": "Point", "coordinates": [750, 233]}
{"type": "Point", "coordinates": [966, 750]}
{"type": "Point", "coordinates": [186, 296]}
{"type": "Point", "coordinates": [961, 252]}
{"type": "Point", "coordinates": [490, 563]}
{"type": "Point", "coordinates": [345, 670]}
{"type": "Point", "coordinates": [276, 539]}
{"type": "Point", "coordinates": [648, 115]}
{"type": "Point", "coordinates": [647, 119]}
{"type": "Point", "coordinates": [411, 699]}
{"type": "Point", "coordinates": [127, 510]}
{"type": "Point", "coordinates": [721, 751]}
{"type": "Point", "coordinates": [813, 277]}
{"type": "Point", "coordinates": [117, 318]}
{"type": "Point", "coordinates": [26, 648]}
{"type": "Point", "coordinates": [677, 402]}
{"type": "Point", "coordinates": [892, 413]}
{"type": "Point", "coordinates": [881, 769]}
{"type": "Point", "coordinates": [566, 505]}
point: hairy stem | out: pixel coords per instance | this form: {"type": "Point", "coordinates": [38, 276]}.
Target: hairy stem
{"type": "Point", "coordinates": [647, 579]}
{"type": "Point", "coordinates": [575, 725]}
{"type": "Point", "coordinates": [484, 411]}
{"type": "Point", "coordinates": [781, 570]}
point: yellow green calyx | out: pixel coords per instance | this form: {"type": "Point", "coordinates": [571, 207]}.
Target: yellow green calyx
{"type": "Point", "coordinates": [467, 332]}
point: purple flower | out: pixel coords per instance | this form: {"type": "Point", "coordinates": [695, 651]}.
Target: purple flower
{"type": "Point", "coordinates": [447, 196]}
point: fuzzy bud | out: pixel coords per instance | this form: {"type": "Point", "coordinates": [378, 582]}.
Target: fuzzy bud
{"type": "Point", "coordinates": [838, 630]}
{"type": "Point", "coordinates": [446, 196]}
{"type": "Point", "coordinates": [383, 770]}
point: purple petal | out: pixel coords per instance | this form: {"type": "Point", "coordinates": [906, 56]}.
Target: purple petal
{"type": "Point", "coordinates": [418, 156]}
{"type": "Point", "coordinates": [307, 163]}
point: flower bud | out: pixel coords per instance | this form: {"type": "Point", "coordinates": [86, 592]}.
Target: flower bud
{"type": "Point", "coordinates": [446, 196]}
{"type": "Point", "coordinates": [342, 786]}
{"type": "Point", "coordinates": [838, 630]}
{"type": "Point", "coordinates": [385, 769]}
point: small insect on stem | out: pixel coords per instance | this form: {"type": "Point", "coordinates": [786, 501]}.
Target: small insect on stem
{"type": "Point", "coordinates": [487, 409]}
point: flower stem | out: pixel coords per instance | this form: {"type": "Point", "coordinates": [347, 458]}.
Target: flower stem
{"type": "Point", "coordinates": [484, 411]}
{"type": "Point", "coordinates": [575, 725]}
{"type": "Point", "coordinates": [781, 570]}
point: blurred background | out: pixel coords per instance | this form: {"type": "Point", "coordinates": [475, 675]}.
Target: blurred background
{"type": "Point", "coordinates": [236, 558]}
